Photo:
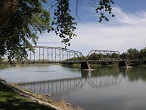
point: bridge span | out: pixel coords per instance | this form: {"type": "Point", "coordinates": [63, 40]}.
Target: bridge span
{"type": "Point", "coordinates": [59, 54]}
{"type": "Point", "coordinates": [45, 54]}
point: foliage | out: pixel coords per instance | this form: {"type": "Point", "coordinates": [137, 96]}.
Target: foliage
{"type": "Point", "coordinates": [115, 55]}
{"type": "Point", "coordinates": [21, 20]}
{"type": "Point", "coordinates": [7, 8]}
{"type": "Point", "coordinates": [133, 53]}
{"type": "Point", "coordinates": [143, 53]}
{"type": "Point", "coordinates": [124, 56]}
{"type": "Point", "coordinates": [19, 32]}
{"type": "Point", "coordinates": [64, 21]}
{"type": "Point", "coordinates": [95, 56]}
{"type": "Point", "coordinates": [100, 56]}
{"type": "Point", "coordinates": [105, 6]}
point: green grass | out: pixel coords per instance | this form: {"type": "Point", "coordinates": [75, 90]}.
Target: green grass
{"type": "Point", "coordinates": [12, 101]}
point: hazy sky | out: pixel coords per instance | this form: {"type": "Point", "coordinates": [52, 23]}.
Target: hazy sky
{"type": "Point", "coordinates": [126, 30]}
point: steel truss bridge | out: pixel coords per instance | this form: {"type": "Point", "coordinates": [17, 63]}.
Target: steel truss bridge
{"type": "Point", "coordinates": [60, 87]}
{"type": "Point", "coordinates": [52, 54]}
{"type": "Point", "coordinates": [45, 54]}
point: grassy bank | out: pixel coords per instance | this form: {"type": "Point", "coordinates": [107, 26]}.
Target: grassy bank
{"type": "Point", "coordinates": [9, 100]}
{"type": "Point", "coordinates": [12, 100]}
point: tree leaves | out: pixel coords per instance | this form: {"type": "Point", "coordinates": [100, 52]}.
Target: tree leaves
{"type": "Point", "coordinates": [23, 19]}
{"type": "Point", "coordinates": [20, 32]}
{"type": "Point", "coordinates": [64, 22]}
{"type": "Point", "coordinates": [104, 6]}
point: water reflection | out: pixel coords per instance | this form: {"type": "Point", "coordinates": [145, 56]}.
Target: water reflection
{"type": "Point", "coordinates": [67, 85]}
{"type": "Point", "coordinates": [95, 79]}
{"type": "Point", "coordinates": [105, 88]}
{"type": "Point", "coordinates": [54, 87]}
{"type": "Point", "coordinates": [134, 74]}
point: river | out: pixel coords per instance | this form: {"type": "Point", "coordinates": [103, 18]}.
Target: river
{"type": "Point", "coordinates": [105, 88]}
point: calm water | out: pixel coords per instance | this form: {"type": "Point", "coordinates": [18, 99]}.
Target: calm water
{"type": "Point", "coordinates": [100, 89]}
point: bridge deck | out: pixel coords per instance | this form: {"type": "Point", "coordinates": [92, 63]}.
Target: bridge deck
{"type": "Point", "coordinates": [67, 62]}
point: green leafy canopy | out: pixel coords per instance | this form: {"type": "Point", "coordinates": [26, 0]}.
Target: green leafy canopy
{"type": "Point", "coordinates": [21, 20]}
{"type": "Point", "coordinates": [18, 33]}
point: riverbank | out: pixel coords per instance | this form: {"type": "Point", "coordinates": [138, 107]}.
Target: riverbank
{"type": "Point", "coordinates": [12, 98]}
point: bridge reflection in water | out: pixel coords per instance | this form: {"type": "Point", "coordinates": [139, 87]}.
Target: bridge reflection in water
{"type": "Point", "coordinates": [63, 86]}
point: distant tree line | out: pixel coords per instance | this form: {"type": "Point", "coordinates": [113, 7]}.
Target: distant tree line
{"type": "Point", "coordinates": [131, 54]}
{"type": "Point", "coordinates": [134, 53]}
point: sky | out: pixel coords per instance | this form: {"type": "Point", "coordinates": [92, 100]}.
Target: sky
{"type": "Point", "coordinates": [124, 31]}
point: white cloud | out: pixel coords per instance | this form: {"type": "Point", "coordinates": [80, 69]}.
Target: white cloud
{"type": "Point", "coordinates": [136, 19]}
{"type": "Point", "coordinates": [124, 31]}
{"type": "Point", "coordinates": [50, 40]}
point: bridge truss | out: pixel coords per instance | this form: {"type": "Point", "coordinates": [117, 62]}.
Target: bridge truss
{"type": "Point", "coordinates": [103, 52]}
{"type": "Point", "coordinates": [45, 54]}
{"type": "Point", "coordinates": [52, 54]}
{"type": "Point", "coordinates": [107, 55]}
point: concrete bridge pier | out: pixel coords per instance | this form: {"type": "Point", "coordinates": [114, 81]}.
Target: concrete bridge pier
{"type": "Point", "coordinates": [85, 65]}
{"type": "Point", "coordinates": [122, 63]}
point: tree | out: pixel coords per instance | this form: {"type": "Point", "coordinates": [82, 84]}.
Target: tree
{"type": "Point", "coordinates": [93, 56]}
{"type": "Point", "coordinates": [6, 10]}
{"type": "Point", "coordinates": [99, 56]}
{"type": "Point", "coordinates": [19, 31]}
{"type": "Point", "coordinates": [21, 20]}
{"type": "Point", "coordinates": [143, 53]}
{"type": "Point", "coordinates": [107, 56]}
{"type": "Point", "coordinates": [124, 56]}
{"type": "Point", "coordinates": [115, 56]}
{"type": "Point", "coordinates": [133, 54]}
